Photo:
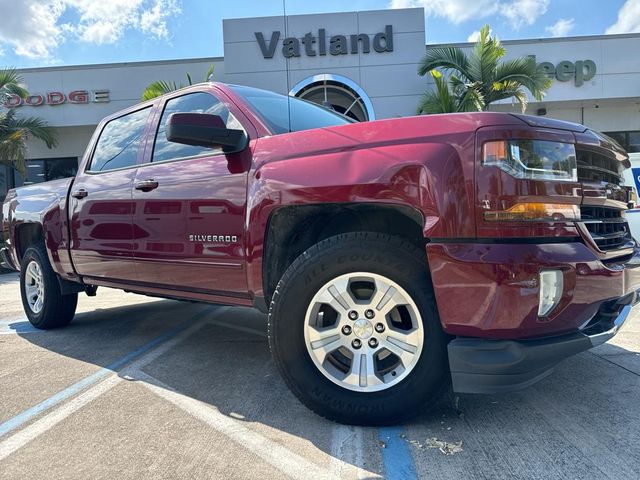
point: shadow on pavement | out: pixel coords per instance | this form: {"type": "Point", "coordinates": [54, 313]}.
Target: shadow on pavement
{"type": "Point", "coordinates": [582, 421]}
{"type": "Point", "coordinates": [8, 276]}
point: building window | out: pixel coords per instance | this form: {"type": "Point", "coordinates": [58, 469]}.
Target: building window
{"type": "Point", "coordinates": [43, 170]}
{"type": "Point", "coordinates": [5, 180]}
{"type": "Point", "coordinates": [630, 140]}
{"type": "Point", "coordinates": [338, 93]}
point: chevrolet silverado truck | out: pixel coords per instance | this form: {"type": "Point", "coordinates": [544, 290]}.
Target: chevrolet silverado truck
{"type": "Point", "coordinates": [395, 258]}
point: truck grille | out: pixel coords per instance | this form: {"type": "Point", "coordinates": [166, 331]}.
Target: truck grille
{"type": "Point", "coordinates": [607, 227]}
{"type": "Point", "coordinates": [602, 182]}
{"type": "Point", "coordinates": [593, 167]}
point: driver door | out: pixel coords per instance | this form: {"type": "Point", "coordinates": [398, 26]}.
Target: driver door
{"type": "Point", "coordinates": [190, 205]}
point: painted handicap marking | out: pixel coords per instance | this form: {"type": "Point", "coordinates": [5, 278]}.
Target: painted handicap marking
{"type": "Point", "coordinates": [396, 455]}
{"type": "Point", "coordinates": [12, 327]}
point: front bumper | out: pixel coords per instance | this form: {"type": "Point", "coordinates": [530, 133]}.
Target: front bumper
{"type": "Point", "coordinates": [491, 290]}
{"type": "Point", "coordinates": [497, 366]}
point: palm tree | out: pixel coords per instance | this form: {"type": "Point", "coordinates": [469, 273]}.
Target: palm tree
{"type": "Point", "coordinates": [15, 130]}
{"type": "Point", "coordinates": [160, 87]}
{"type": "Point", "coordinates": [477, 79]}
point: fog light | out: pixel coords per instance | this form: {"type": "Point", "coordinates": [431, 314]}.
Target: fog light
{"type": "Point", "coordinates": [551, 287]}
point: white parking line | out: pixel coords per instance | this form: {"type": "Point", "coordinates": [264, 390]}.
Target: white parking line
{"type": "Point", "coordinates": [285, 460]}
{"type": "Point", "coordinates": [347, 449]}
{"type": "Point", "coordinates": [27, 434]}
{"type": "Point", "coordinates": [55, 416]}
{"type": "Point", "coordinates": [271, 452]}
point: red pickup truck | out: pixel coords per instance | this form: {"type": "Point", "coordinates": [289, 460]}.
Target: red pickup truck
{"type": "Point", "coordinates": [395, 258]}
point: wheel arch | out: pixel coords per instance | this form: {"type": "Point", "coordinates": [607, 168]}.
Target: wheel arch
{"type": "Point", "coordinates": [28, 234]}
{"type": "Point", "coordinates": [293, 229]}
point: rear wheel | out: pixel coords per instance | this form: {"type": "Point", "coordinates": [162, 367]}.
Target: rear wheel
{"type": "Point", "coordinates": [355, 332]}
{"type": "Point", "coordinates": [43, 302]}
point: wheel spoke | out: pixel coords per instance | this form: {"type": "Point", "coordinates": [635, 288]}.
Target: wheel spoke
{"type": "Point", "coordinates": [322, 336]}
{"type": "Point", "coordinates": [337, 296]}
{"type": "Point", "coordinates": [387, 297]}
{"type": "Point", "coordinates": [325, 342]}
{"type": "Point", "coordinates": [363, 370]}
{"type": "Point", "coordinates": [403, 346]}
{"type": "Point", "coordinates": [38, 305]}
{"type": "Point", "coordinates": [33, 270]}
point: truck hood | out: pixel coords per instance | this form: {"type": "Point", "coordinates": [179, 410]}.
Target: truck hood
{"type": "Point", "coordinates": [378, 133]}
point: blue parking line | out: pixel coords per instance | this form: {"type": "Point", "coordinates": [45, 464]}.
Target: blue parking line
{"type": "Point", "coordinates": [396, 456]}
{"type": "Point", "coordinates": [68, 392]}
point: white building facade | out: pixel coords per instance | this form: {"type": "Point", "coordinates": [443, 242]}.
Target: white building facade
{"type": "Point", "coordinates": [362, 64]}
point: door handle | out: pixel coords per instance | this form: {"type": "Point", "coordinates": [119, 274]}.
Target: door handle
{"type": "Point", "coordinates": [146, 185]}
{"type": "Point", "coordinates": [80, 193]}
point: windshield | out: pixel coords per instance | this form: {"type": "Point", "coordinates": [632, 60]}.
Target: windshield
{"type": "Point", "coordinates": [274, 111]}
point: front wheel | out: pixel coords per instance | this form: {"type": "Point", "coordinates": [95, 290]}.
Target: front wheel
{"type": "Point", "coordinates": [42, 300]}
{"type": "Point", "coordinates": [355, 332]}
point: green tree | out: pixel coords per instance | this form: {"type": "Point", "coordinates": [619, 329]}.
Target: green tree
{"type": "Point", "coordinates": [476, 80]}
{"type": "Point", "coordinates": [160, 87]}
{"type": "Point", "coordinates": [14, 130]}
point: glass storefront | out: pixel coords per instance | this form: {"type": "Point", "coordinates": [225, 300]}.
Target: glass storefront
{"type": "Point", "coordinates": [38, 170]}
{"type": "Point", "coordinates": [630, 140]}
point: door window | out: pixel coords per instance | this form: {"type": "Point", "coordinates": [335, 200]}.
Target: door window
{"type": "Point", "coordinates": [199, 102]}
{"type": "Point", "coordinates": [119, 142]}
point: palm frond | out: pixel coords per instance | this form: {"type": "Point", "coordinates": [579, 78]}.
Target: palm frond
{"type": "Point", "coordinates": [446, 58]}
{"type": "Point", "coordinates": [471, 100]}
{"type": "Point", "coordinates": [440, 100]}
{"type": "Point", "coordinates": [158, 88]}
{"type": "Point", "coordinates": [481, 77]}
{"type": "Point", "coordinates": [11, 83]}
{"type": "Point", "coordinates": [37, 128]}
{"type": "Point", "coordinates": [14, 132]}
{"type": "Point", "coordinates": [209, 74]}
{"type": "Point", "coordinates": [524, 71]}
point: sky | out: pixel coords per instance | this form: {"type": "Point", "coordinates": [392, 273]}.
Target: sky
{"type": "Point", "coordinates": [37, 33]}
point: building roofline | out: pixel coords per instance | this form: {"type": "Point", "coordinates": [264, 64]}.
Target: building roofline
{"type": "Point", "coordinates": [120, 64]}
{"type": "Point", "coordinates": [576, 38]}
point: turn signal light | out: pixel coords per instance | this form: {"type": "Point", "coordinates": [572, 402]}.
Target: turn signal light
{"type": "Point", "coordinates": [535, 212]}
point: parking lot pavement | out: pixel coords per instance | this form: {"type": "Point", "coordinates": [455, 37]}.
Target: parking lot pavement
{"type": "Point", "coordinates": [144, 388]}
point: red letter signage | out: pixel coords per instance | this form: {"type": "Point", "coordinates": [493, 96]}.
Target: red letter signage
{"type": "Point", "coordinates": [55, 98]}
{"type": "Point", "coordinates": [79, 96]}
{"type": "Point", "coordinates": [34, 100]}
{"type": "Point", "coordinates": [12, 101]}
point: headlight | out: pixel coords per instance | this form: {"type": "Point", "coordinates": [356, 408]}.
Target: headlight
{"type": "Point", "coordinates": [532, 159]}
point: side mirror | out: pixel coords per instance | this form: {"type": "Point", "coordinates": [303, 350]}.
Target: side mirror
{"type": "Point", "coordinates": [204, 130]}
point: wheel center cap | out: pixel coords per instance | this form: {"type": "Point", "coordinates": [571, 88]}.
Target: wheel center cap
{"type": "Point", "coordinates": [362, 328]}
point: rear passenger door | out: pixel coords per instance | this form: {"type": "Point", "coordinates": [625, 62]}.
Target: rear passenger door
{"type": "Point", "coordinates": [190, 208]}
{"type": "Point", "coordinates": [101, 205]}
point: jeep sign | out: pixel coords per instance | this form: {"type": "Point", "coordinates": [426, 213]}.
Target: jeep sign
{"type": "Point", "coordinates": [581, 71]}
{"type": "Point", "coordinates": [317, 44]}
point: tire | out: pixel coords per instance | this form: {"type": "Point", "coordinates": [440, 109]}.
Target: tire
{"type": "Point", "coordinates": [332, 387]}
{"type": "Point", "coordinates": [38, 278]}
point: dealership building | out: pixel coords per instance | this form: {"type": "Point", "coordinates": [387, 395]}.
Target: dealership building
{"type": "Point", "coordinates": [363, 64]}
